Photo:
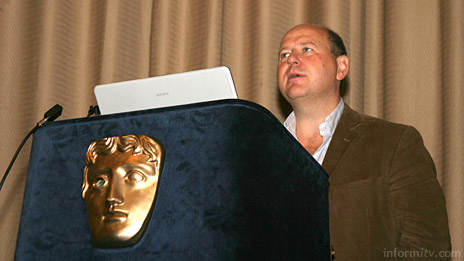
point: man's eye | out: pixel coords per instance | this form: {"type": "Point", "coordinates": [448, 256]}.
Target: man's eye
{"type": "Point", "coordinates": [284, 55]}
{"type": "Point", "coordinates": [135, 177]}
{"type": "Point", "coordinates": [99, 182]}
{"type": "Point", "coordinates": [307, 49]}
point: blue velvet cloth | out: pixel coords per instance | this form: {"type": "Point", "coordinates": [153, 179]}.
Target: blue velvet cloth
{"type": "Point", "coordinates": [235, 185]}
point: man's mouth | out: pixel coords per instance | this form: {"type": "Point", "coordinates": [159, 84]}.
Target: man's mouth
{"type": "Point", "coordinates": [294, 75]}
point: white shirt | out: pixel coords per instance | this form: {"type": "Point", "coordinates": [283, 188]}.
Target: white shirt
{"type": "Point", "coordinates": [326, 129]}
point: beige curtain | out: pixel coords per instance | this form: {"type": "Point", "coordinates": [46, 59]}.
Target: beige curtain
{"type": "Point", "coordinates": [407, 66]}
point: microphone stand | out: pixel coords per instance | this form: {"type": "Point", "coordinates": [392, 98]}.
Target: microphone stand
{"type": "Point", "coordinates": [50, 115]}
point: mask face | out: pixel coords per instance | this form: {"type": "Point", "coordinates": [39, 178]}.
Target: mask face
{"type": "Point", "coordinates": [119, 190]}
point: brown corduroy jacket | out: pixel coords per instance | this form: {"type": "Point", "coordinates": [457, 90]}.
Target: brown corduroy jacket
{"type": "Point", "coordinates": [384, 198]}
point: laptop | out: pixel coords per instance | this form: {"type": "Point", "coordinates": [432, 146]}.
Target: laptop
{"type": "Point", "coordinates": [167, 90]}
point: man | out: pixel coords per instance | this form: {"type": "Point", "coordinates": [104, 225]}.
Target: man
{"type": "Point", "coordinates": [384, 198]}
{"type": "Point", "coordinates": [120, 182]}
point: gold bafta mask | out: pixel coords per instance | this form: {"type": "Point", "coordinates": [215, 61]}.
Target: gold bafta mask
{"type": "Point", "coordinates": [120, 183]}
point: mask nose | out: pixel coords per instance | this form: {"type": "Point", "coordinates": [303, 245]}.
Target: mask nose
{"type": "Point", "coordinates": [115, 194]}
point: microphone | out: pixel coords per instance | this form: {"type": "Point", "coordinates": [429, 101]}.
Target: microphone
{"type": "Point", "coordinates": [50, 115]}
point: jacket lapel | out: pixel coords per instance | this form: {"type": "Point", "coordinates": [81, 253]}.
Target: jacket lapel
{"type": "Point", "coordinates": [344, 135]}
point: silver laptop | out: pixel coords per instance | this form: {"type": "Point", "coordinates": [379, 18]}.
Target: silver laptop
{"type": "Point", "coordinates": [167, 90]}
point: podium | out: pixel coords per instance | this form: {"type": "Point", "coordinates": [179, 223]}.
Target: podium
{"type": "Point", "coordinates": [235, 185]}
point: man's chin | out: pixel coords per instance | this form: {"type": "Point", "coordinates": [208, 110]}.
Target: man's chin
{"type": "Point", "coordinates": [296, 91]}
{"type": "Point", "coordinates": [295, 96]}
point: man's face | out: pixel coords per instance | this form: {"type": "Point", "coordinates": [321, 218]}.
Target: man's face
{"type": "Point", "coordinates": [119, 198]}
{"type": "Point", "coordinates": [307, 68]}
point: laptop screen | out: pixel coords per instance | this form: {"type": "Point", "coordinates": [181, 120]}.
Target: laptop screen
{"type": "Point", "coordinates": [167, 90]}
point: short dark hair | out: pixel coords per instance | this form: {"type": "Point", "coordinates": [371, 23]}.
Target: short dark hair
{"type": "Point", "coordinates": [337, 47]}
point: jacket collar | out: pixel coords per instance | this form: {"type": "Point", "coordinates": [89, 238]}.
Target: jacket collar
{"type": "Point", "coordinates": [345, 133]}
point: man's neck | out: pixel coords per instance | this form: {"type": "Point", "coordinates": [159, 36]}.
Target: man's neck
{"type": "Point", "coordinates": [309, 115]}
{"type": "Point", "coordinates": [308, 119]}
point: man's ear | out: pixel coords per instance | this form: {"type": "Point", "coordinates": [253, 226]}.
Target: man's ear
{"type": "Point", "coordinates": [343, 65]}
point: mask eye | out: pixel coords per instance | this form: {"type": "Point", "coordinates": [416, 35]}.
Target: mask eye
{"type": "Point", "coordinates": [135, 177]}
{"type": "Point", "coordinates": [99, 182]}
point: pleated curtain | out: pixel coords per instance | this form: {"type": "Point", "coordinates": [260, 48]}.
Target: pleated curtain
{"type": "Point", "coordinates": [406, 66]}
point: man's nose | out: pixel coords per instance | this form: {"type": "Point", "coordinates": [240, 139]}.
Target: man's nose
{"type": "Point", "coordinates": [293, 59]}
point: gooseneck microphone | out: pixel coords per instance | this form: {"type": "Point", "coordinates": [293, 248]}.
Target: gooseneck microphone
{"type": "Point", "coordinates": [50, 115]}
